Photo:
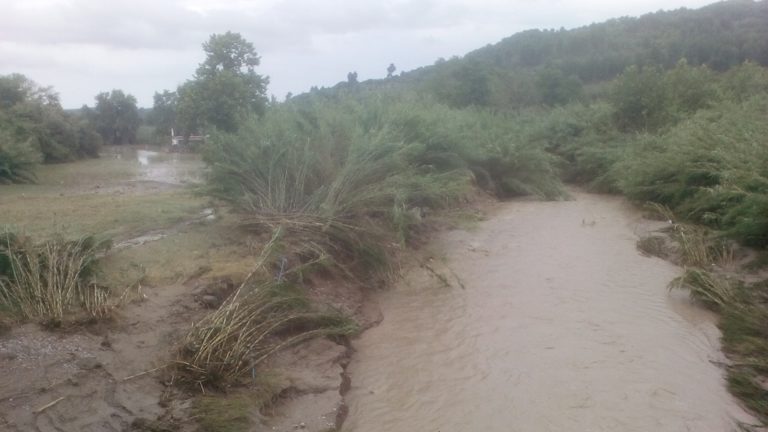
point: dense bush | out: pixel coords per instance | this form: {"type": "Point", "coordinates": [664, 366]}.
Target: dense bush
{"type": "Point", "coordinates": [17, 160]}
{"type": "Point", "coordinates": [711, 169]}
{"type": "Point", "coordinates": [34, 128]}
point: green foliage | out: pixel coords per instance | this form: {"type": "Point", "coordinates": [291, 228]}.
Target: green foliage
{"type": "Point", "coordinates": [34, 127]}
{"type": "Point", "coordinates": [744, 81]}
{"type": "Point", "coordinates": [349, 177]}
{"type": "Point", "coordinates": [745, 339]}
{"type": "Point", "coordinates": [720, 36]}
{"type": "Point", "coordinates": [641, 100]}
{"type": "Point", "coordinates": [115, 117]}
{"type": "Point", "coordinates": [461, 84]}
{"type": "Point", "coordinates": [163, 114]}
{"type": "Point", "coordinates": [224, 91]}
{"type": "Point", "coordinates": [17, 160]}
{"type": "Point", "coordinates": [711, 169]}
{"type": "Point", "coordinates": [555, 88]}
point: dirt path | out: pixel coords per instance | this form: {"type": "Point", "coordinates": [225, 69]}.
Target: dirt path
{"type": "Point", "coordinates": [561, 325]}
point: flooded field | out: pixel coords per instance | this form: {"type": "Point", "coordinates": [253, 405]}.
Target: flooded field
{"type": "Point", "coordinates": [159, 165]}
{"type": "Point", "coordinates": [124, 193]}
{"type": "Point", "coordinates": [561, 325]}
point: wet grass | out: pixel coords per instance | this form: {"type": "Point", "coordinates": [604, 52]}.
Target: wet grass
{"type": "Point", "coordinates": [118, 216]}
{"type": "Point", "coordinates": [743, 309]}
{"type": "Point", "coordinates": [745, 339]}
{"type": "Point", "coordinates": [240, 411]}
{"type": "Point", "coordinates": [208, 250]}
{"type": "Point", "coordinates": [224, 414]}
{"type": "Point", "coordinates": [94, 196]}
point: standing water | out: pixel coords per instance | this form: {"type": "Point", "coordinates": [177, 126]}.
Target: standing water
{"type": "Point", "coordinates": [561, 326]}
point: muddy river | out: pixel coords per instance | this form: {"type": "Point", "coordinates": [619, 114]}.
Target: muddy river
{"type": "Point", "coordinates": [561, 326]}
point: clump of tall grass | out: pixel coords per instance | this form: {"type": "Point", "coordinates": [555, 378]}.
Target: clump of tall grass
{"type": "Point", "coordinates": [51, 281]}
{"type": "Point", "coordinates": [256, 320]}
{"type": "Point", "coordinates": [745, 338]}
{"type": "Point", "coordinates": [713, 291]}
{"type": "Point", "coordinates": [695, 245]}
{"type": "Point", "coordinates": [743, 308]}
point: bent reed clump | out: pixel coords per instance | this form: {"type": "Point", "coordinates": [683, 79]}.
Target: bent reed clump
{"type": "Point", "coordinates": [52, 281]}
{"type": "Point", "coordinates": [263, 315]}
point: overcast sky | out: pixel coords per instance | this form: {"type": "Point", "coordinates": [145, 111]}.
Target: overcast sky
{"type": "Point", "coordinates": [82, 47]}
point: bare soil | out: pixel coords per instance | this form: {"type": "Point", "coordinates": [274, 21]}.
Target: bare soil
{"type": "Point", "coordinates": [178, 257]}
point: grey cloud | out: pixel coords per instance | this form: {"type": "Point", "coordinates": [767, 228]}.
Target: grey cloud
{"type": "Point", "coordinates": [148, 45]}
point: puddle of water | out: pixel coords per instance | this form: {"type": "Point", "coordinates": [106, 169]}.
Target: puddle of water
{"type": "Point", "coordinates": [159, 166]}
{"type": "Point", "coordinates": [562, 326]}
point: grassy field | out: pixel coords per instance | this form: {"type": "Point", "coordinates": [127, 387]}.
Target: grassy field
{"type": "Point", "coordinates": [116, 198]}
{"type": "Point", "coordinates": [144, 202]}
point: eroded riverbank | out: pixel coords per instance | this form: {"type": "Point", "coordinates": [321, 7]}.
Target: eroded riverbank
{"type": "Point", "coordinates": [562, 325]}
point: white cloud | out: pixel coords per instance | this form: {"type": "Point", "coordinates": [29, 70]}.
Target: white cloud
{"type": "Point", "coordinates": [82, 47]}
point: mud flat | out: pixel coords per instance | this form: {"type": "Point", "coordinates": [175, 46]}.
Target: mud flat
{"type": "Point", "coordinates": [560, 325]}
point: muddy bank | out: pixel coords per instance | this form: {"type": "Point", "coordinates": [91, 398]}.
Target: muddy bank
{"type": "Point", "coordinates": [561, 325]}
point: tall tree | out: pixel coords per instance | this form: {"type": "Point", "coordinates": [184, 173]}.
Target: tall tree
{"type": "Point", "coordinates": [225, 87]}
{"type": "Point", "coordinates": [163, 115]}
{"type": "Point", "coordinates": [116, 117]}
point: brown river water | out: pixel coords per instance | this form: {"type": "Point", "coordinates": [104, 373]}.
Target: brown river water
{"type": "Point", "coordinates": [561, 326]}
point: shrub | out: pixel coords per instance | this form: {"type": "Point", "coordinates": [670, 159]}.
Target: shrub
{"type": "Point", "coordinates": [711, 169]}
{"type": "Point", "coordinates": [17, 160]}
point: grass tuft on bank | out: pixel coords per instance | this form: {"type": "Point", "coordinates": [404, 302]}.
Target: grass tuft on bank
{"type": "Point", "coordinates": [51, 281]}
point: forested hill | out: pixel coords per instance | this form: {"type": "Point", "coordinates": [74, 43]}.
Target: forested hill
{"type": "Point", "coordinates": [720, 35]}
{"type": "Point", "coordinates": [551, 66]}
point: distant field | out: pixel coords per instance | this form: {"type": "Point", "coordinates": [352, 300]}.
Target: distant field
{"type": "Point", "coordinates": [124, 193]}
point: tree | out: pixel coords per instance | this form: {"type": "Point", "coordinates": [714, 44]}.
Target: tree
{"type": "Point", "coordinates": [641, 100]}
{"type": "Point", "coordinates": [163, 115]}
{"type": "Point", "coordinates": [225, 88]}
{"type": "Point", "coordinates": [116, 117]}
{"type": "Point", "coordinates": [34, 127]}
{"type": "Point", "coordinates": [391, 70]}
{"type": "Point", "coordinates": [16, 89]}
{"type": "Point", "coordinates": [555, 88]}
{"type": "Point", "coordinates": [352, 78]}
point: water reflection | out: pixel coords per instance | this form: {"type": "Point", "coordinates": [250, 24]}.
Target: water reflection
{"type": "Point", "coordinates": [159, 165]}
